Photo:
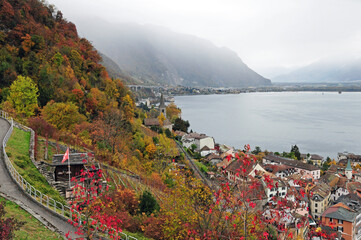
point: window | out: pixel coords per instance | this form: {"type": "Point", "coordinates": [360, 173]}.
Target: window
{"type": "Point", "coordinates": [340, 229]}
{"type": "Point", "coordinates": [270, 195]}
{"type": "Point", "coordinates": [283, 188]}
{"type": "Point", "coordinates": [316, 205]}
{"type": "Point", "coordinates": [316, 210]}
{"type": "Point", "coordinates": [330, 219]}
{"type": "Point", "coordinates": [340, 222]}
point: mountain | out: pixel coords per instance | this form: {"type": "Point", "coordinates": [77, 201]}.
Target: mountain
{"type": "Point", "coordinates": [38, 43]}
{"type": "Point", "coordinates": [114, 70]}
{"type": "Point", "coordinates": [340, 69]}
{"type": "Point", "coordinates": [155, 55]}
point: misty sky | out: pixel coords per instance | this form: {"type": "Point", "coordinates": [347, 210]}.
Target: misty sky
{"type": "Point", "coordinates": [266, 34]}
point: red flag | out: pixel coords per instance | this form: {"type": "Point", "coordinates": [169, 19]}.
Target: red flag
{"type": "Point", "coordinates": [66, 156]}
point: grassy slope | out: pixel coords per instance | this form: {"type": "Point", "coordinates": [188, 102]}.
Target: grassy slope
{"type": "Point", "coordinates": [201, 166]}
{"type": "Point", "coordinates": [18, 152]}
{"type": "Point", "coordinates": [32, 229]}
{"type": "Point", "coordinates": [41, 151]}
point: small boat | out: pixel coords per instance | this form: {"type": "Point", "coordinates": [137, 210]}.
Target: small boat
{"type": "Point", "coordinates": [339, 92]}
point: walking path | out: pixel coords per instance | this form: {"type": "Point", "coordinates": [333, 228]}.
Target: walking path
{"type": "Point", "coordinates": [194, 167]}
{"type": "Point", "coordinates": [9, 188]}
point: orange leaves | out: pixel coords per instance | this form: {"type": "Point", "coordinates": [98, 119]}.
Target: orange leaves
{"type": "Point", "coordinates": [79, 94]}
{"type": "Point", "coordinates": [27, 44]}
{"type": "Point", "coordinates": [151, 149]}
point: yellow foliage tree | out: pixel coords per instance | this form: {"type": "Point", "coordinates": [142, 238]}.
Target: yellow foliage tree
{"type": "Point", "coordinates": [151, 149]}
{"type": "Point", "coordinates": [167, 147]}
{"type": "Point", "coordinates": [173, 112]}
{"type": "Point", "coordinates": [161, 119]}
{"type": "Point", "coordinates": [128, 107]}
{"type": "Point", "coordinates": [23, 96]}
{"type": "Point", "coordinates": [62, 115]}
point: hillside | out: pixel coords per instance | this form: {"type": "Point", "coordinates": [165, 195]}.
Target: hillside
{"type": "Point", "coordinates": [326, 70]}
{"type": "Point", "coordinates": [157, 55]}
{"type": "Point", "coordinates": [37, 42]}
{"type": "Point", "coordinates": [115, 72]}
{"type": "Point", "coordinates": [73, 98]}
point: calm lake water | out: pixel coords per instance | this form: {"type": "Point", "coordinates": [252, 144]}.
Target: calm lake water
{"type": "Point", "coordinates": [321, 123]}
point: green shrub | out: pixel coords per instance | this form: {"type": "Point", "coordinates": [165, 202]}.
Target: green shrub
{"type": "Point", "coordinates": [148, 204]}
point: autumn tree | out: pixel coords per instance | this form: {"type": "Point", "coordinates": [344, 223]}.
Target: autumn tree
{"type": "Point", "coordinates": [173, 112]}
{"type": "Point", "coordinates": [87, 189]}
{"type": "Point", "coordinates": [128, 108]}
{"type": "Point", "coordinates": [123, 204]}
{"type": "Point", "coordinates": [41, 127]}
{"type": "Point", "coordinates": [23, 96]}
{"type": "Point", "coordinates": [62, 115]}
{"type": "Point", "coordinates": [161, 119]}
{"type": "Point", "coordinates": [166, 150]}
{"type": "Point", "coordinates": [111, 129]}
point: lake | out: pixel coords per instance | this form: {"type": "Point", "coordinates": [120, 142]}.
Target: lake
{"type": "Point", "coordinates": [320, 123]}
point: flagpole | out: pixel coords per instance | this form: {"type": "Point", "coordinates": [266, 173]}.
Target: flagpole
{"type": "Point", "coordinates": [69, 168]}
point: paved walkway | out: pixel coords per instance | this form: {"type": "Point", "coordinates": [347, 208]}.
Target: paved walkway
{"type": "Point", "coordinates": [9, 188]}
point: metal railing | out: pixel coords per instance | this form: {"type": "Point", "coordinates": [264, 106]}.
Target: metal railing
{"type": "Point", "coordinates": [46, 201]}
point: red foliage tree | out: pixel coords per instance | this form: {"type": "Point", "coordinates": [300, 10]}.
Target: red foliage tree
{"type": "Point", "coordinates": [7, 225]}
{"type": "Point", "coordinates": [87, 190]}
{"type": "Point", "coordinates": [42, 127]}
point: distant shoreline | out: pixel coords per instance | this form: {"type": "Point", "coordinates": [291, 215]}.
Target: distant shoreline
{"type": "Point", "coordinates": [309, 125]}
{"type": "Point", "coordinates": [267, 90]}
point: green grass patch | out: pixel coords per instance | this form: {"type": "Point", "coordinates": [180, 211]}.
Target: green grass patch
{"type": "Point", "coordinates": [32, 229]}
{"type": "Point", "coordinates": [18, 149]}
{"type": "Point", "coordinates": [201, 167]}
{"type": "Point", "coordinates": [41, 151]}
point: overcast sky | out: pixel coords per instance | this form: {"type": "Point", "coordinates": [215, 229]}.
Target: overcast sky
{"type": "Point", "coordinates": [266, 34]}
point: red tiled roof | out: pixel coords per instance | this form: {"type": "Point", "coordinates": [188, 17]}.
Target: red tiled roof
{"type": "Point", "coordinates": [238, 167]}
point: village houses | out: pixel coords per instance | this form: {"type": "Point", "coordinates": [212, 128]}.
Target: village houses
{"type": "Point", "coordinates": [299, 166]}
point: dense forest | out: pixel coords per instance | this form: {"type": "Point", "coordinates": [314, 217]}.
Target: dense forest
{"type": "Point", "coordinates": [73, 91]}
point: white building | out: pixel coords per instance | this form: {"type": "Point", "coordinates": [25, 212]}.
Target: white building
{"type": "Point", "coordinates": [279, 189]}
{"type": "Point", "coordinates": [200, 140]}
{"type": "Point", "coordinates": [206, 151]}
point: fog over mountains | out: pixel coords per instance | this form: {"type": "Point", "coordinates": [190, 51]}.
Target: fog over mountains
{"type": "Point", "coordinates": [327, 70]}
{"type": "Point", "coordinates": [156, 55]}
